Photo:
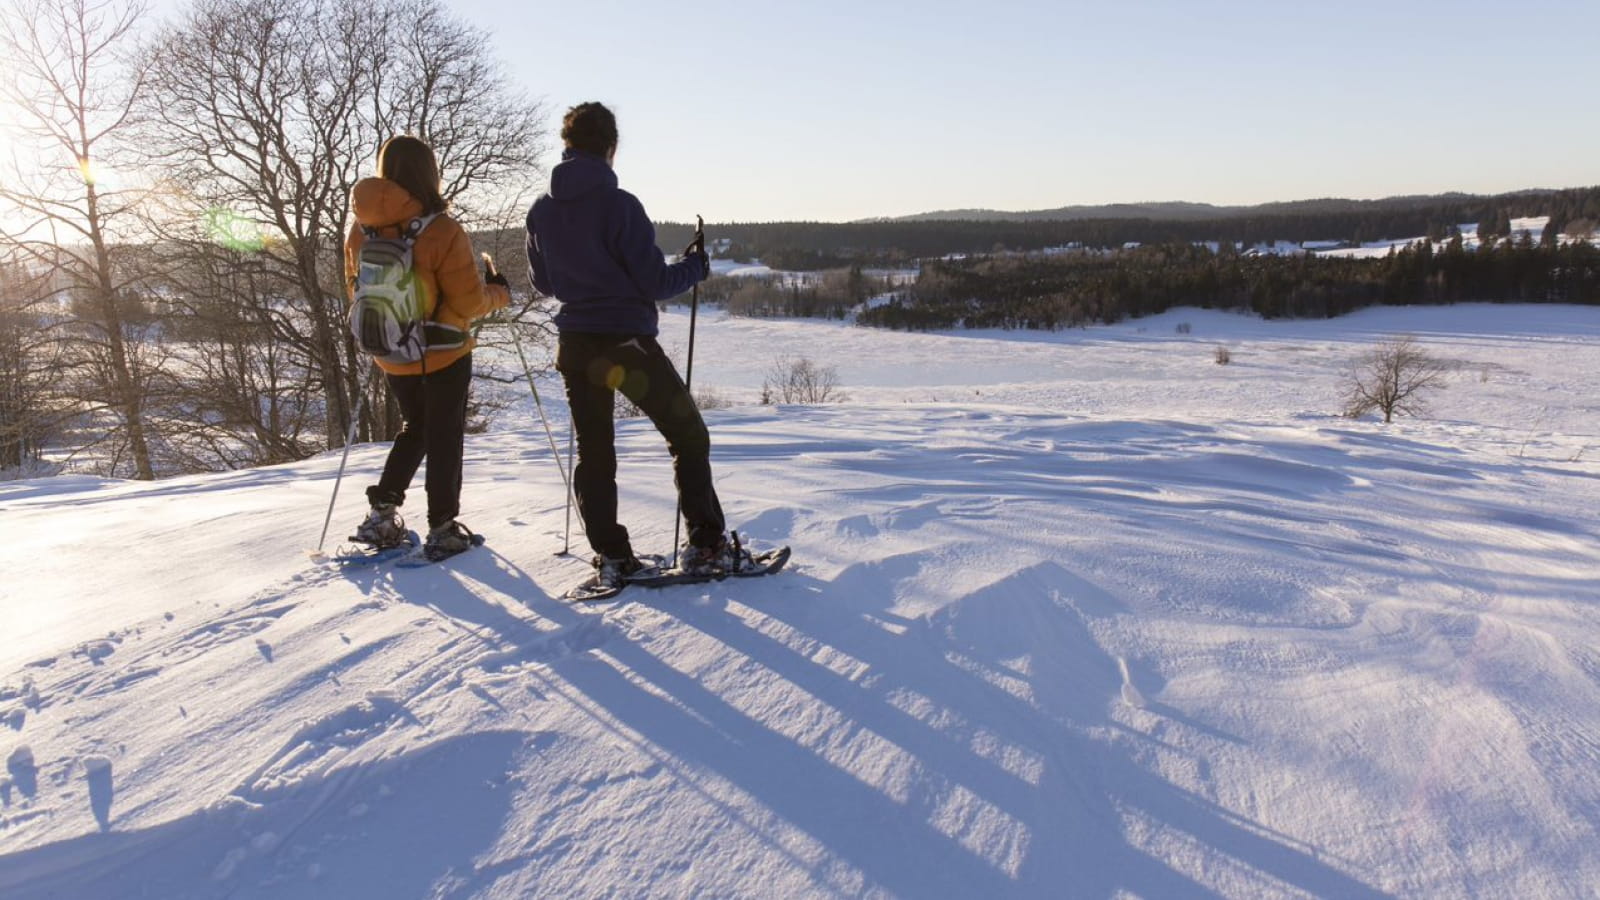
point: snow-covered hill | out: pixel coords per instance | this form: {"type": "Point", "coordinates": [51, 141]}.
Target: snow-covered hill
{"type": "Point", "coordinates": [1069, 615]}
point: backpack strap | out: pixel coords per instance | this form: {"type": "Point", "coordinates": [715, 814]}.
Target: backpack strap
{"type": "Point", "coordinates": [439, 336]}
{"type": "Point", "coordinates": [435, 335]}
{"type": "Point", "coordinates": [408, 232]}
{"type": "Point", "coordinates": [414, 227]}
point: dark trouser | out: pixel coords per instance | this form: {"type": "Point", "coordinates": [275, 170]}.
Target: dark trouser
{"type": "Point", "coordinates": [434, 407]}
{"type": "Point", "coordinates": [595, 367]}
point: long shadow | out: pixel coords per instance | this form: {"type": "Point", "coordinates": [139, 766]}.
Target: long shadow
{"type": "Point", "coordinates": [101, 791]}
{"type": "Point", "coordinates": [1073, 809]}
{"type": "Point", "coordinates": [857, 823]}
{"type": "Point", "coordinates": [702, 730]}
{"type": "Point", "coordinates": [399, 827]}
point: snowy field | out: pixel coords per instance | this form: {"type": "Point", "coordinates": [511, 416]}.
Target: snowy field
{"type": "Point", "coordinates": [1070, 615]}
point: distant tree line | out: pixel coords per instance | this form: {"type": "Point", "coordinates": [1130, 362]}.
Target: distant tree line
{"type": "Point", "coordinates": [833, 294]}
{"type": "Point", "coordinates": [1067, 290]}
{"type": "Point", "coordinates": [813, 246]}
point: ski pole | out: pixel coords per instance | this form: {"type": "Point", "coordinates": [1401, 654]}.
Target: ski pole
{"type": "Point", "coordinates": [349, 438]}
{"type": "Point", "coordinates": [699, 244]}
{"type": "Point", "coordinates": [566, 531]}
{"type": "Point", "coordinates": [490, 271]}
{"type": "Point", "coordinates": [555, 454]}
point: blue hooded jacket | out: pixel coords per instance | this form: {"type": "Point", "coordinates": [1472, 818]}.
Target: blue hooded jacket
{"type": "Point", "coordinates": [591, 246]}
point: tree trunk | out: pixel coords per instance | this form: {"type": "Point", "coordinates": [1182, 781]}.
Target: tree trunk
{"type": "Point", "coordinates": [128, 392]}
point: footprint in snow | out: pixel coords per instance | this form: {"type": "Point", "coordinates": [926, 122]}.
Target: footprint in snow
{"type": "Point", "coordinates": [27, 693]}
{"type": "Point", "coordinates": [24, 774]}
{"type": "Point", "coordinates": [96, 651]}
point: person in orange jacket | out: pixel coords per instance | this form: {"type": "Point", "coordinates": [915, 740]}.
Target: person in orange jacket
{"type": "Point", "coordinates": [432, 393]}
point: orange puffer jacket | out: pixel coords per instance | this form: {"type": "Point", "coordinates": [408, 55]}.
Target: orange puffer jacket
{"type": "Point", "coordinates": [453, 292]}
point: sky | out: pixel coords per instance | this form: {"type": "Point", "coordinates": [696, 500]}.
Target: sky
{"type": "Point", "coordinates": [836, 111]}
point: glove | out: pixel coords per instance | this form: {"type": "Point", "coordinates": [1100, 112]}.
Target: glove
{"type": "Point", "coordinates": [697, 251]}
{"type": "Point", "coordinates": [491, 275]}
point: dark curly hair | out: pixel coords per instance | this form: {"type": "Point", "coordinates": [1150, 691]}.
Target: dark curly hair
{"type": "Point", "coordinates": [410, 163]}
{"type": "Point", "coordinates": [591, 128]}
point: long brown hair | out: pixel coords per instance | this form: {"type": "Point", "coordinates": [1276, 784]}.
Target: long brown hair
{"type": "Point", "coordinates": [410, 163]}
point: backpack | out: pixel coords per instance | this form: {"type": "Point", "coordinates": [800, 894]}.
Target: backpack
{"type": "Point", "coordinates": [386, 314]}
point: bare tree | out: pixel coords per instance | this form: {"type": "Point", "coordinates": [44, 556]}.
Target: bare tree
{"type": "Point", "coordinates": [1392, 378]}
{"type": "Point", "coordinates": [267, 114]}
{"type": "Point", "coordinates": [75, 98]}
{"type": "Point", "coordinates": [248, 115]}
{"type": "Point", "coordinates": [796, 379]}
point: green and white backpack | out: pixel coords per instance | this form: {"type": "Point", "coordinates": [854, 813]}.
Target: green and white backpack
{"type": "Point", "coordinates": [386, 316]}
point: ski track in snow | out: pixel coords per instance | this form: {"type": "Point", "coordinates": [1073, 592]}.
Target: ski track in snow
{"type": "Point", "coordinates": [1023, 649]}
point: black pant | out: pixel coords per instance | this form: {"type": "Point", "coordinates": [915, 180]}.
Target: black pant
{"type": "Point", "coordinates": [434, 407]}
{"type": "Point", "coordinates": [595, 367]}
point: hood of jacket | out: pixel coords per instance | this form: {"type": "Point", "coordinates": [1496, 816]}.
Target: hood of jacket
{"type": "Point", "coordinates": [579, 174]}
{"type": "Point", "coordinates": [379, 202]}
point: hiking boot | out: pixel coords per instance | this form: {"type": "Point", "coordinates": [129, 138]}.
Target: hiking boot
{"type": "Point", "coordinates": [447, 540]}
{"type": "Point", "coordinates": [613, 571]}
{"type": "Point", "coordinates": [727, 555]}
{"type": "Point", "coordinates": [382, 529]}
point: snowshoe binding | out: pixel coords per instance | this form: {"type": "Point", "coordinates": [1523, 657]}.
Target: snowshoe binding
{"type": "Point", "coordinates": [726, 557]}
{"type": "Point", "coordinates": [447, 539]}
{"type": "Point", "coordinates": [611, 575]}
{"type": "Point", "coordinates": [382, 529]}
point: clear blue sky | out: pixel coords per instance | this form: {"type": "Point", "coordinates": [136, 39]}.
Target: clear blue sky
{"type": "Point", "coordinates": [839, 110]}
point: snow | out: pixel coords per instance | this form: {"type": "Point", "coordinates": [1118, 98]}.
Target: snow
{"type": "Point", "coordinates": [740, 270]}
{"type": "Point", "coordinates": [1070, 614]}
{"type": "Point", "coordinates": [1530, 227]}
{"type": "Point", "coordinates": [1372, 249]}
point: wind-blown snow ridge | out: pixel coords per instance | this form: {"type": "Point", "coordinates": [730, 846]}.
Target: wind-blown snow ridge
{"type": "Point", "coordinates": [1018, 653]}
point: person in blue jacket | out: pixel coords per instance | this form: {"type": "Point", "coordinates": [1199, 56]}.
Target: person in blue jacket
{"type": "Point", "coordinates": [591, 246]}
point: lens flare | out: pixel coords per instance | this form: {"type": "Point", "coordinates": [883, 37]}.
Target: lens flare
{"type": "Point", "coordinates": [231, 230]}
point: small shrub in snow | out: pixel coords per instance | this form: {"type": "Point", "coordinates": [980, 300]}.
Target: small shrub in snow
{"type": "Point", "coordinates": [1223, 357]}
{"type": "Point", "coordinates": [1391, 378]}
{"type": "Point", "coordinates": [1185, 328]}
{"type": "Point", "coordinates": [711, 398]}
{"type": "Point", "coordinates": [796, 379]}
